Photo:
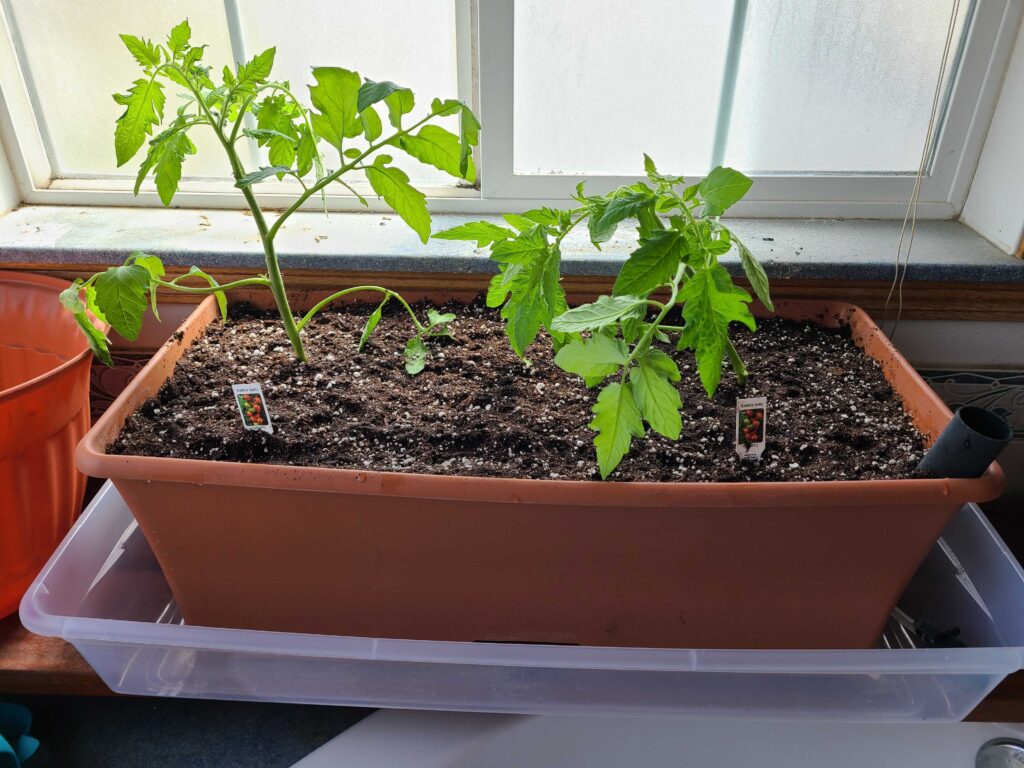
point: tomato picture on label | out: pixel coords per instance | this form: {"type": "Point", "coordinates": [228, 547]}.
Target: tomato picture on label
{"type": "Point", "coordinates": [751, 426]}
{"type": "Point", "coordinates": [254, 413]}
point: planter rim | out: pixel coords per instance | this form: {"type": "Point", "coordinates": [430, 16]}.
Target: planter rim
{"type": "Point", "coordinates": [28, 278]}
{"type": "Point", "coordinates": [93, 460]}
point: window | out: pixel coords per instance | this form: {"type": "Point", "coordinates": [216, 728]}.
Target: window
{"type": "Point", "coordinates": [825, 104]}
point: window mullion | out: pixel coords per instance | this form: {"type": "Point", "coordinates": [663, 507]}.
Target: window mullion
{"type": "Point", "coordinates": [729, 74]}
{"type": "Point", "coordinates": [238, 53]}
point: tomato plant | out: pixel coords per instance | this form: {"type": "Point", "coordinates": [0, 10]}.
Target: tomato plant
{"type": "Point", "coordinates": [680, 240]}
{"type": "Point", "coordinates": [246, 104]}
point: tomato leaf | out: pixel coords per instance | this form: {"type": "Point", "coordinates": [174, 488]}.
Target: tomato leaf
{"type": "Point", "coordinates": [121, 296]}
{"type": "Point", "coordinates": [617, 421]}
{"type": "Point", "coordinates": [409, 203]}
{"type": "Point", "coordinates": [656, 396]}
{"type": "Point", "coordinates": [722, 188]}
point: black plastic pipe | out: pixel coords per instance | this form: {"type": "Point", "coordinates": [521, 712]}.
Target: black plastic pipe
{"type": "Point", "coordinates": [970, 442]}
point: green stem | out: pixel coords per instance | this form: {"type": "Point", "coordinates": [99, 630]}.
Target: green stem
{"type": "Point", "coordinates": [420, 328]}
{"type": "Point", "coordinates": [737, 363]}
{"type": "Point", "coordinates": [266, 236]}
{"type": "Point", "coordinates": [326, 180]}
{"type": "Point", "coordinates": [645, 341]}
{"type": "Point", "coordinates": [173, 284]}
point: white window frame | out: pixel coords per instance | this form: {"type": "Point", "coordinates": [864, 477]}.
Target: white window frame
{"type": "Point", "coordinates": [485, 61]}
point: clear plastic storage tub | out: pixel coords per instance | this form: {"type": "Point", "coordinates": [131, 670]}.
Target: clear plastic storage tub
{"type": "Point", "coordinates": [103, 592]}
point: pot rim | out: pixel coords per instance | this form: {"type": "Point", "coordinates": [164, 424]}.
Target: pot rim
{"type": "Point", "coordinates": [9, 276]}
{"type": "Point", "coordinates": [93, 460]}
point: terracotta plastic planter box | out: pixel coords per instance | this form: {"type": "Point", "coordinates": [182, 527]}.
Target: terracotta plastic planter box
{"type": "Point", "coordinates": [382, 554]}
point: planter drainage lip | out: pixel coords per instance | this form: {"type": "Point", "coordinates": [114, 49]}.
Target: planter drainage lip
{"type": "Point", "coordinates": [93, 459]}
{"type": "Point", "coordinates": [145, 656]}
{"type": "Point", "coordinates": [36, 382]}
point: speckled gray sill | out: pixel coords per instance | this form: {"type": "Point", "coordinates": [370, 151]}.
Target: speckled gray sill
{"type": "Point", "coordinates": [789, 248]}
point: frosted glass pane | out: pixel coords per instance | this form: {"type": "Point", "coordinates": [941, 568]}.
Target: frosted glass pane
{"type": "Point", "coordinates": [74, 61]}
{"type": "Point", "coordinates": [837, 85]}
{"type": "Point", "coordinates": [599, 82]}
{"type": "Point", "coordinates": [409, 42]}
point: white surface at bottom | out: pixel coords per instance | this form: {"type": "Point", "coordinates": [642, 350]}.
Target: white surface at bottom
{"type": "Point", "coordinates": [391, 738]}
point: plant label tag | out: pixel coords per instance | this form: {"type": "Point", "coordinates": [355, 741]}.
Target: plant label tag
{"type": "Point", "coordinates": [252, 405]}
{"type": "Point", "coordinates": [751, 414]}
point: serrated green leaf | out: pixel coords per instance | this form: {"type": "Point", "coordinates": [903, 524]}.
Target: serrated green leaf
{"type": "Point", "coordinates": [144, 51]}
{"type": "Point", "coordinates": [399, 103]}
{"type": "Point", "coordinates": [415, 355]}
{"type": "Point", "coordinates": [536, 296]}
{"type": "Point", "coordinates": [371, 323]}
{"type": "Point", "coordinates": [526, 246]}
{"type": "Point", "coordinates": [545, 216]}
{"type": "Point", "coordinates": [625, 206]}
{"type": "Point", "coordinates": [150, 263]}
{"type": "Point", "coordinates": [157, 146]}
{"type": "Point", "coordinates": [588, 317]}
{"type": "Point", "coordinates": [656, 397]}
{"type": "Point", "coordinates": [501, 284]}
{"type": "Point", "coordinates": [524, 317]}
{"type": "Point", "coordinates": [305, 151]}
{"type": "Point", "coordinates": [482, 232]}
{"type": "Point", "coordinates": [121, 296]}
{"type": "Point", "coordinates": [264, 135]}
{"type": "Point", "coordinates": [144, 109]}
{"type": "Point", "coordinates": [335, 96]}
{"type": "Point", "coordinates": [712, 301]}
{"type": "Point", "coordinates": [97, 341]}
{"type": "Point", "coordinates": [71, 297]}
{"type": "Point", "coordinates": [256, 71]}
{"type": "Point", "coordinates": [167, 172]}
{"type": "Point", "coordinates": [155, 267]}
{"type": "Point", "coordinates": [409, 203]}
{"type": "Point", "coordinates": [593, 358]}
{"type": "Point", "coordinates": [435, 146]}
{"type": "Point", "coordinates": [435, 318]}
{"type": "Point", "coordinates": [649, 167]}
{"type": "Point", "coordinates": [756, 275]}
{"type": "Point", "coordinates": [599, 230]}
{"type": "Point", "coordinates": [469, 137]}
{"type": "Point", "coordinates": [370, 120]}
{"type": "Point", "coordinates": [722, 188]}
{"type": "Point", "coordinates": [265, 172]}
{"type": "Point", "coordinates": [651, 265]}
{"type": "Point", "coordinates": [371, 92]}
{"type": "Point", "coordinates": [92, 306]}
{"type": "Point", "coordinates": [617, 421]}
{"type": "Point", "coordinates": [446, 107]}
{"type": "Point", "coordinates": [520, 223]}
{"type": "Point", "coordinates": [177, 40]}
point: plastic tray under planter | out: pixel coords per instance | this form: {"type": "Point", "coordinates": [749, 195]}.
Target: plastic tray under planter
{"type": "Point", "coordinates": [432, 557]}
{"type": "Point", "coordinates": [104, 592]}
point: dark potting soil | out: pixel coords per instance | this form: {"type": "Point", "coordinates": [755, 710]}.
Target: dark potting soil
{"type": "Point", "coordinates": [478, 410]}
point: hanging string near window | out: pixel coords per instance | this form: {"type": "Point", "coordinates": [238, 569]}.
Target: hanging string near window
{"type": "Point", "coordinates": [903, 258]}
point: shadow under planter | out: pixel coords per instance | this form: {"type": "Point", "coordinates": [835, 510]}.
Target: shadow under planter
{"type": "Point", "coordinates": [382, 554]}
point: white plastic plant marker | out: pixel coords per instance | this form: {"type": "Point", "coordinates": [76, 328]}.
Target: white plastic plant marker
{"type": "Point", "coordinates": [454, 740]}
{"type": "Point", "coordinates": [751, 426]}
{"type": "Point", "coordinates": [252, 407]}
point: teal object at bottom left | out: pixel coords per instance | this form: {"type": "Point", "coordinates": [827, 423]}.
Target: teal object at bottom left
{"type": "Point", "coordinates": [16, 746]}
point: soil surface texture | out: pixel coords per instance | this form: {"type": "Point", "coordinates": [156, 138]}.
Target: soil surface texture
{"type": "Point", "coordinates": [477, 409]}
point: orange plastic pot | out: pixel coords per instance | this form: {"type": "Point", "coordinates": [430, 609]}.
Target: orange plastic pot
{"type": "Point", "coordinates": [380, 554]}
{"type": "Point", "coordinates": [44, 413]}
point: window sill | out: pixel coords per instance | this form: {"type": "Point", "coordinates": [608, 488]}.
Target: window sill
{"type": "Point", "coordinates": [790, 249]}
